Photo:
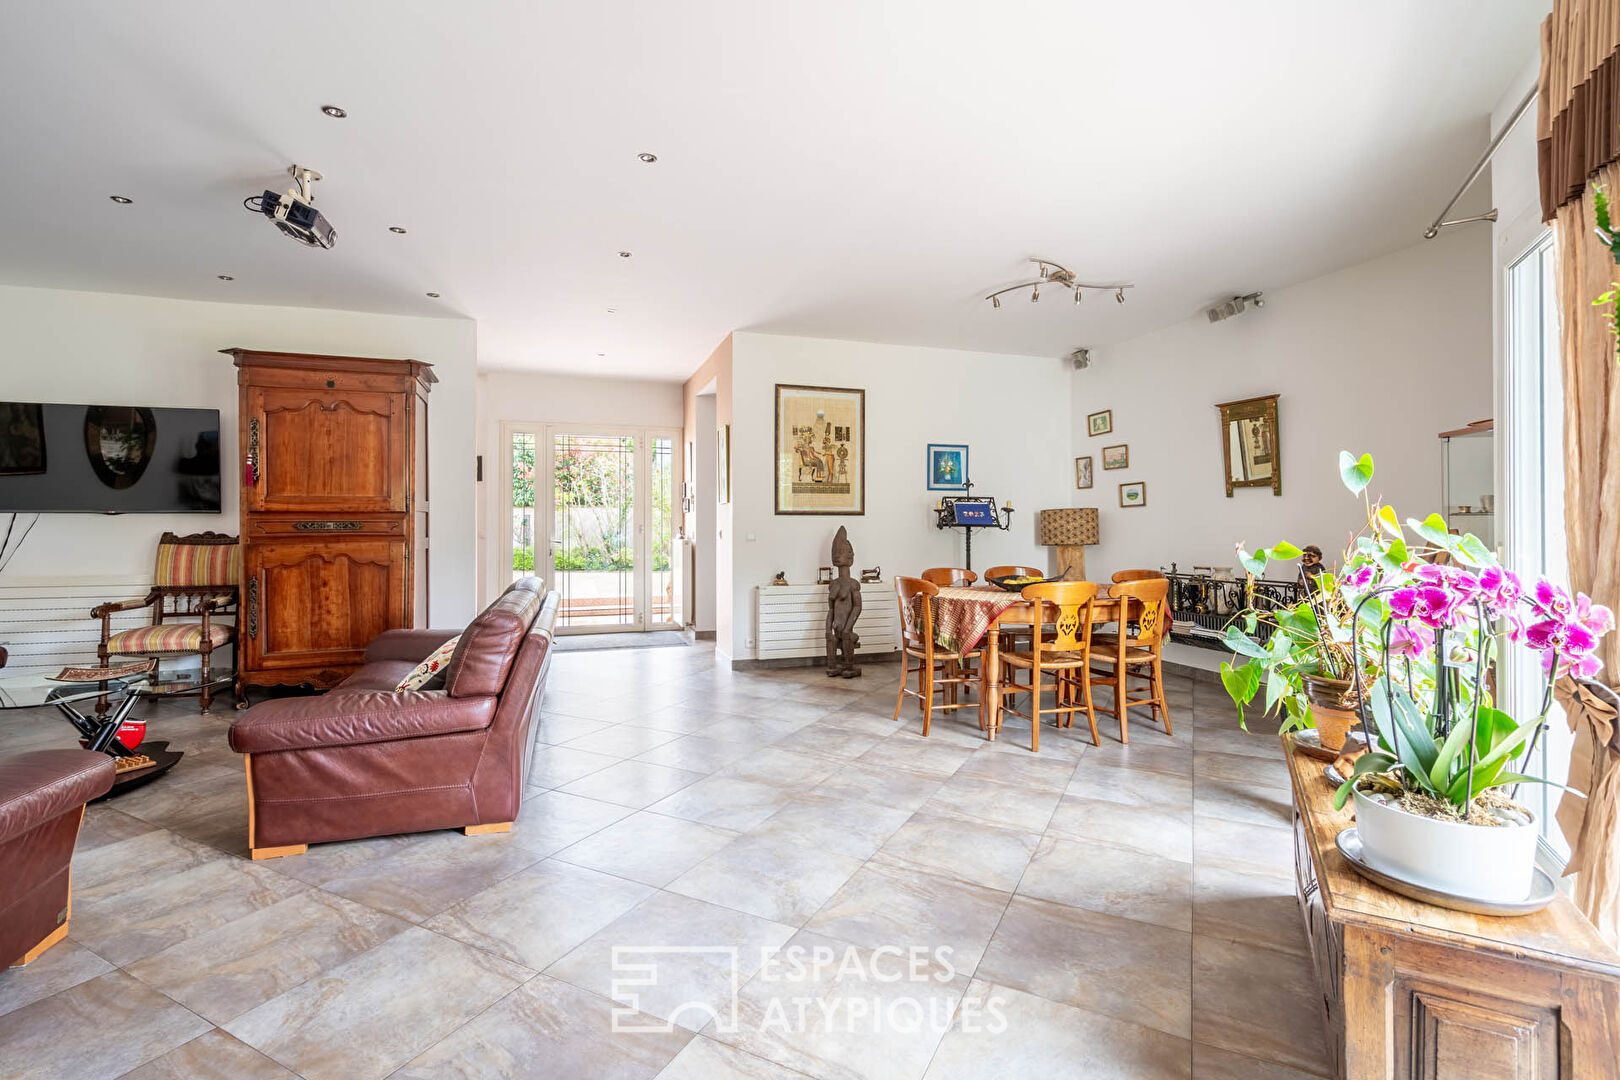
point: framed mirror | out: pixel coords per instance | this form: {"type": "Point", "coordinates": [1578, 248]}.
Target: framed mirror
{"type": "Point", "coordinates": [1249, 444]}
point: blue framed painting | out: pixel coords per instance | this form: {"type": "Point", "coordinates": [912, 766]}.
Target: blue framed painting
{"type": "Point", "coordinates": [947, 466]}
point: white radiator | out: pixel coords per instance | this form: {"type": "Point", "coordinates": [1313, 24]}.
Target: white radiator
{"type": "Point", "coordinates": [45, 623]}
{"type": "Point", "coordinates": [791, 620]}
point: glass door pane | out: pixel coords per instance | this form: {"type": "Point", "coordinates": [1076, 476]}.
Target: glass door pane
{"type": "Point", "coordinates": [661, 588]}
{"type": "Point", "coordinates": [522, 535]}
{"type": "Point", "coordinates": [593, 531]}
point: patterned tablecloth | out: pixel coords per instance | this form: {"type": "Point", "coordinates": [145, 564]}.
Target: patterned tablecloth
{"type": "Point", "coordinates": [963, 613]}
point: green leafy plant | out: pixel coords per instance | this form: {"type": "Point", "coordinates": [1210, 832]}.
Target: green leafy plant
{"type": "Point", "coordinates": [1611, 239]}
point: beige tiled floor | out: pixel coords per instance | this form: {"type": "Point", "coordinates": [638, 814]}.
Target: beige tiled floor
{"type": "Point", "coordinates": [1108, 911]}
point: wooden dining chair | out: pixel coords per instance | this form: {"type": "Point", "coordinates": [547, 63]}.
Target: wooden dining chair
{"type": "Point", "coordinates": [1134, 652]}
{"type": "Point", "coordinates": [937, 669]}
{"type": "Point", "coordinates": [946, 577]}
{"type": "Point", "coordinates": [1012, 637]}
{"type": "Point", "coordinates": [1067, 605]}
{"type": "Point", "coordinates": [1123, 576]}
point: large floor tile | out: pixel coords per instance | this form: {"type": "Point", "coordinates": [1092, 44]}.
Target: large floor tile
{"type": "Point", "coordinates": [1213, 1063]}
{"type": "Point", "coordinates": [1148, 829]}
{"type": "Point", "coordinates": [727, 802]}
{"type": "Point", "coordinates": [1129, 970]}
{"type": "Point", "coordinates": [551, 820]}
{"type": "Point", "coordinates": [698, 753]}
{"type": "Point", "coordinates": [229, 969]}
{"type": "Point", "coordinates": [365, 1018]}
{"type": "Point", "coordinates": [622, 740]}
{"type": "Point", "coordinates": [635, 784]}
{"type": "Point", "coordinates": [782, 768]}
{"type": "Point", "coordinates": [64, 964]}
{"type": "Point", "coordinates": [422, 880]}
{"type": "Point", "coordinates": [100, 1028]}
{"type": "Point", "coordinates": [1014, 806]}
{"type": "Point", "coordinates": [538, 914]}
{"type": "Point", "coordinates": [554, 766]}
{"type": "Point", "coordinates": [1244, 847]}
{"type": "Point", "coordinates": [1002, 1032]}
{"type": "Point", "coordinates": [104, 824]}
{"type": "Point", "coordinates": [1251, 908]}
{"type": "Point", "coordinates": [1113, 880]}
{"type": "Point", "coordinates": [975, 852]}
{"type": "Point", "coordinates": [890, 906]}
{"type": "Point", "coordinates": [653, 849]}
{"type": "Point", "coordinates": [1276, 1019]}
{"type": "Point", "coordinates": [214, 1056]}
{"type": "Point", "coordinates": [1035, 771]}
{"type": "Point", "coordinates": [139, 919]}
{"type": "Point", "coordinates": [917, 754]}
{"type": "Point", "coordinates": [827, 823]}
{"type": "Point", "coordinates": [756, 874]}
{"type": "Point", "coordinates": [831, 1011]}
{"type": "Point", "coordinates": [896, 788]}
{"type": "Point", "coordinates": [706, 1059]}
{"type": "Point", "coordinates": [673, 957]}
{"type": "Point", "coordinates": [547, 1027]}
{"type": "Point", "coordinates": [1108, 781]}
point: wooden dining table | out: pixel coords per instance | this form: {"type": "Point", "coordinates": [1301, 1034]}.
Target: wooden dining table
{"type": "Point", "coordinates": [977, 612]}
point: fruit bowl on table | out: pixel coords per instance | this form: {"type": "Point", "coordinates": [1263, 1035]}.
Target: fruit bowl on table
{"type": "Point", "coordinates": [1016, 584]}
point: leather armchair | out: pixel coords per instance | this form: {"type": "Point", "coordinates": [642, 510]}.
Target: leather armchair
{"type": "Point", "coordinates": [365, 760]}
{"type": "Point", "coordinates": [42, 797]}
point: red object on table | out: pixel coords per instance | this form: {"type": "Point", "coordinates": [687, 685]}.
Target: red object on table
{"type": "Point", "coordinates": [130, 733]}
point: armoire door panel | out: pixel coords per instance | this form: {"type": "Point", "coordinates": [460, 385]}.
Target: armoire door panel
{"type": "Point", "coordinates": [324, 601]}
{"type": "Point", "coordinates": [324, 448]}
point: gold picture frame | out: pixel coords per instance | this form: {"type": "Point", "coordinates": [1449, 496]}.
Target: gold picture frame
{"type": "Point", "coordinates": [1084, 477]}
{"type": "Point", "coordinates": [1251, 448]}
{"type": "Point", "coordinates": [1133, 494]}
{"type": "Point", "coordinates": [820, 450]}
{"type": "Point", "coordinates": [1100, 423]}
{"type": "Point", "coordinates": [1117, 457]}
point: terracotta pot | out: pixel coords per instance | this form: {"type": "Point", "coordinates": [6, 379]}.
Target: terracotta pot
{"type": "Point", "coordinates": [1332, 709]}
{"type": "Point", "coordinates": [1482, 862]}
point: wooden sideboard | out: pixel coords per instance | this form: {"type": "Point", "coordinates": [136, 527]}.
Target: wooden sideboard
{"type": "Point", "coordinates": [1413, 990]}
{"type": "Point", "coordinates": [334, 517]}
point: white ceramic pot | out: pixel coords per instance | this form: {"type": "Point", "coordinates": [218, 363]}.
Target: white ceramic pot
{"type": "Point", "coordinates": [1484, 862]}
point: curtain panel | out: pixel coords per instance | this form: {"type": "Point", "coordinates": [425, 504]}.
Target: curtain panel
{"type": "Point", "coordinates": [1578, 119]}
{"type": "Point", "coordinates": [1578, 141]}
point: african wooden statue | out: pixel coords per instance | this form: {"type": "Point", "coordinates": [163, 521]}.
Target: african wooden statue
{"type": "Point", "coordinates": [843, 608]}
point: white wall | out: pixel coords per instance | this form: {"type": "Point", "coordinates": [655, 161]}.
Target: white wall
{"type": "Point", "coordinates": [513, 396]}
{"type": "Point", "coordinates": [62, 346]}
{"type": "Point", "coordinates": [703, 481]}
{"type": "Point", "coordinates": [1379, 357]}
{"type": "Point", "coordinates": [1018, 451]}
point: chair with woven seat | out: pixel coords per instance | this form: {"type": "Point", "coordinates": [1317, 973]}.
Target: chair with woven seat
{"type": "Point", "coordinates": [193, 599]}
{"type": "Point", "coordinates": [1135, 652]}
{"type": "Point", "coordinates": [1011, 637]}
{"type": "Point", "coordinates": [916, 598]}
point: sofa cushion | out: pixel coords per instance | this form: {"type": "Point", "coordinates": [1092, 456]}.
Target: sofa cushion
{"type": "Point", "coordinates": [483, 656]}
{"type": "Point", "coordinates": [348, 717]}
{"type": "Point", "coordinates": [43, 784]}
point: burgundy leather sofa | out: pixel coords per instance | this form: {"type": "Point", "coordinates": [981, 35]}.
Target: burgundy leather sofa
{"type": "Point", "coordinates": [363, 760]}
{"type": "Point", "coordinates": [42, 797]}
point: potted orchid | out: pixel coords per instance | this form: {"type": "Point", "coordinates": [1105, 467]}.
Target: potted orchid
{"type": "Point", "coordinates": [1430, 615]}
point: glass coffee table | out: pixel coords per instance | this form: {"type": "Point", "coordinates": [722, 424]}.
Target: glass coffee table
{"type": "Point", "coordinates": [75, 695]}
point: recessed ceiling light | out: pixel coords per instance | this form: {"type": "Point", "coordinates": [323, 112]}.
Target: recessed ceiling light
{"type": "Point", "coordinates": [612, 311]}
{"type": "Point", "coordinates": [434, 295]}
{"type": "Point", "coordinates": [224, 277]}
{"type": "Point", "coordinates": [601, 354]}
{"type": "Point", "coordinates": [624, 254]}
{"type": "Point", "coordinates": [121, 200]}
{"type": "Point", "coordinates": [334, 111]}
{"type": "Point", "coordinates": [648, 158]}
{"type": "Point", "coordinates": [397, 229]}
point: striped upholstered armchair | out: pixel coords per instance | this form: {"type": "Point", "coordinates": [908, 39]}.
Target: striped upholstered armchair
{"type": "Point", "coordinates": [193, 600]}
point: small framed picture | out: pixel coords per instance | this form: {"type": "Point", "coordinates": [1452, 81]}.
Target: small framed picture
{"type": "Point", "coordinates": [1134, 494]}
{"type": "Point", "coordinates": [947, 466]}
{"type": "Point", "coordinates": [722, 463]}
{"type": "Point", "coordinates": [1082, 472]}
{"type": "Point", "coordinates": [1116, 457]}
{"type": "Point", "coordinates": [1100, 423]}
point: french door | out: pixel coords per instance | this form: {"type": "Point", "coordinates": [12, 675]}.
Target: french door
{"type": "Point", "coordinates": [591, 512]}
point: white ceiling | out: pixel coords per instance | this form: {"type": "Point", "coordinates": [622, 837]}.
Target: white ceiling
{"type": "Point", "coordinates": [860, 169]}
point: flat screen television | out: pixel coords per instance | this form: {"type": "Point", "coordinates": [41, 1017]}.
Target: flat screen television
{"type": "Point", "coordinates": [108, 459]}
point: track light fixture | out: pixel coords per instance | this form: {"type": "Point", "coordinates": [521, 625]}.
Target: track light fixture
{"type": "Point", "coordinates": [1234, 306]}
{"type": "Point", "coordinates": [1053, 273]}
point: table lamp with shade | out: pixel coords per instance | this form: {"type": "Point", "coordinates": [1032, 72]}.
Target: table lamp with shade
{"type": "Point", "coordinates": [1068, 529]}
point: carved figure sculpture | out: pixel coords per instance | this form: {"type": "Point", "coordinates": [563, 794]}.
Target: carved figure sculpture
{"type": "Point", "coordinates": [843, 608]}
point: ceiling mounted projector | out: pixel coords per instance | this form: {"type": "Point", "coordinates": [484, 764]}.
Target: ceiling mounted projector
{"type": "Point", "coordinates": [294, 213]}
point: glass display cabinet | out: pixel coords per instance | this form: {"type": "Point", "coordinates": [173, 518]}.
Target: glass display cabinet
{"type": "Point", "coordinates": [1468, 480]}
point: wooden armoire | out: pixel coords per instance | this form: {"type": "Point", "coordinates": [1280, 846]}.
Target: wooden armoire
{"type": "Point", "coordinates": [334, 511]}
